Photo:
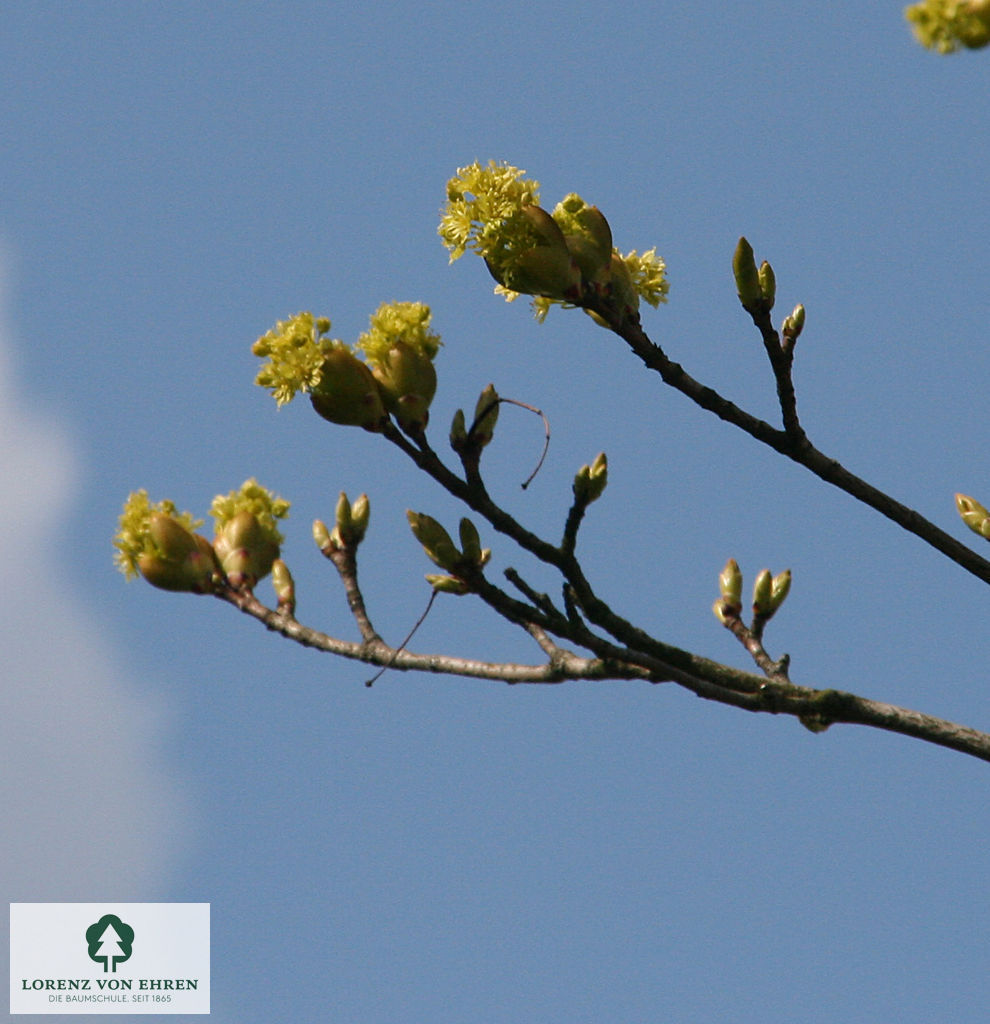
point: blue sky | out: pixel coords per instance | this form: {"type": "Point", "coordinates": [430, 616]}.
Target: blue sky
{"type": "Point", "coordinates": [176, 178]}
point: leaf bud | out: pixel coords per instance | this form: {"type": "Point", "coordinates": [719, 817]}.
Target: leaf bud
{"type": "Point", "coordinates": [408, 382]}
{"type": "Point", "coordinates": [322, 536]}
{"type": "Point", "coordinates": [768, 285]}
{"type": "Point", "coordinates": [285, 588]}
{"type": "Point", "coordinates": [730, 583]}
{"type": "Point", "coordinates": [351, 521]}
{"type": "Point", "coordinates": [245, 548]}
{"type": "Point", "coordinates": [722, 612]}
{"type": "Point", "coordinates": [435, 540]}
{"type": "Point", "coordinates": [458, 431]}
{"type": "Point", "coordinates": [762, 589]}
{"type": "Point", "coordinates": [447, 584]}
{"type": "Point", "coordinates": [176, 558]}
{"type": "Point", "coordinates": [793, 324]}
{"type": "Point", "coordinates": [780, 589]}
{"type": "Point", "coordinates": [360, 516]}
{"type": "Point", "coordinates": [747, 276]}
{"type": "Point", "coordinates": [588, 237]}
{"type": "Point", "coordinates": [590, 481]}
{"type": "Point", "coordinates": [470, 542]}
{"type": "Point", "coordinates": [974, 515]}
{"type": "Point", "coordinates": [347, 392]}
{"type": "Point", "coordinates": [485, 416]}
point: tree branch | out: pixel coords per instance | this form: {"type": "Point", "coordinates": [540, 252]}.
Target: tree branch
{"type": "Point", "coordinates": [793, 445]}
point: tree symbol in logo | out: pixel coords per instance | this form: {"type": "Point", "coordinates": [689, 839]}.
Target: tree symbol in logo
{"type": "Point", "coordinates": [110, 941]}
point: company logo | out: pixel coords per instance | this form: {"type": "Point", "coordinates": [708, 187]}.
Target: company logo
{"type": "Point", "coordinates": [110, 941]}
{"type": "Point", "coordinates": [79, 958]}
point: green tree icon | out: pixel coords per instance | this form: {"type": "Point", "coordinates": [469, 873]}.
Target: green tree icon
{"type": "Point", "coordinates": [110, 941]}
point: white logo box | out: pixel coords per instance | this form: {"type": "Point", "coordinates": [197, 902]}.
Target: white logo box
{"type": "Point", "coordinates": [109, 958]}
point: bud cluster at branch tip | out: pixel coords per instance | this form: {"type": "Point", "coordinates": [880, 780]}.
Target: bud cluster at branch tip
{"type": "Point", "coordinates": [397, 379]}
{"type": "Point", "coordinates": [756, 288]}
{"type": "Point", "coordinates": [247, 538]}
{"type": "Point", "coordinates": [947, 25]}
{"type": "Point", "coordinates": [769, 593]}
{"type": "Point", "coordinates": [351, 520]}
{"type": "Point", "coordinates": [590, 481]}
{"type": "Point", "coordinates": [400, 349]}
{"type": "Point", "coordinates": [974, 515]}
{"type": "Point", "coordinates": [459, 565]}
{"type": "Point", "coordinates": [468, 442]}
{"type": "Point", "coordinates": [564, 257]}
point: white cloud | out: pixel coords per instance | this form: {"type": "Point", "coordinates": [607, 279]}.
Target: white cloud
{"type": "Point", "coordinates": [87, 808]}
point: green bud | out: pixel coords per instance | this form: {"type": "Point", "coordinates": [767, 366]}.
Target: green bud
{"type": "Point", "coordinates": [762, 589]}
{"type": "Point", "coordinates": [435, 540]}
{"type": "Point", "coordinates": [723, 612]}
{"type": "Point", "coordinates": [485, 417]}
{"type": "Point", "coordinates": [360, 516]}
{"type": "Point", "coordinates": [447, 584]}
{"type": "Point", "coordinates": [245, 549]}
{"type": "Point", "coordinates": [588, 237]}
{"type": "Point", "coordinates": [348, 393]}
{"type": "Point", "coordinates": [470, 541]}
{"type": "Point", "coordinates": [178, 559]}
{"type": "Point", "coordinates": [550, 272]}
{"type": "Point", "coordinates": [590, 481]}
{"type": "Point", "coordinates": [730, 583]}
{"type": "Point", "coordinates": [547, 268]}
{"type": "Point", "coordinates": [747, 276]}
{"type": "Point", "coordinates": [458, 431]}
{"type": "Point", "coordinates": [780, 589]}
{"type": "Point", "coordinates": [974, 515]}
{"type": "Point", "coordinates": [794, 324]}
{"type": "Point", "coordinates": [351, 521]}
{"type": "Point", "coordinates": [322, 536]}
{"type": "Point", "coordinates": [768, 284]}
{"type": "Point", "coordinates": [285, 588]}
{"type": "Point", "coordinates": [408, 382]}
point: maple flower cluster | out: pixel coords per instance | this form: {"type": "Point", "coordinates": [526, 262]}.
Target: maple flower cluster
{"type": "Point", "coordinates": [563, 257]}
{"type": "Point", "coordinates": [156, 541]}
{"type": "Point", "coordinates": [396, 377]}
{"type": "Point", "coordinates": [947, 25]}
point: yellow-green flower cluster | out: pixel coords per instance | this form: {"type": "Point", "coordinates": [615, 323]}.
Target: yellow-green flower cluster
{"type": "Point", "coordinates": [647, 272]}
{"type": "Point", "coordinates": [565, 257]}
{"type": "Point", "coordinates": [398, 377]}
{"type": "Point", "coordinates": [400, 348]}
{"type": "Point", "coordinates": [946, 25]}
{"type": "Point", "coordinates": [257, 501]}
{"type": "Point", "coordinates": [399, 322]}
{"type": "Point", "coordinates": [296, 349]}
{"type": "Point", "coordinates": [483, 209]}
{"type": "Point", "coordinates": [247, 538]}
{"type": "Point", "coordinates": [134, 537]}
{"type": "Point", "coordinates": [157, 542]}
